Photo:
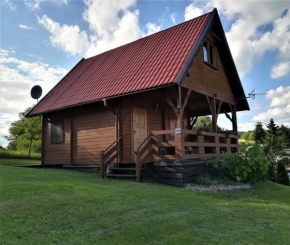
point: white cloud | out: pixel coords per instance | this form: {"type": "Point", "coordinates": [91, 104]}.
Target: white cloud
{"type": "Point", "coordinates": [34, 5]}
{"type": "Point", "coordinates": [10, 5]}
{"type": "Point", "coordinates": [280, 70]}
{"type": "Point", "coordinates": [152, 28]}
{"type": "Point", "coordinates": [280, 96]}
{"type": "Point", "coordinates": [112, 23]}
{"type": "Point", "coordinates": [173, 18]}
{"type": "Point", "coordinates": [27, 27]}
{"type": "Point", "coordinates": [281, 101]}
{"type": "Point", "coordinates": [17, 77]}
{"type": "Point", "coordinates": [191, 11]}
{"type": "Point", "coordinates": [68, 38]}
{"type": "Point", "coordinates": [248, 44]}
{"type": "Point", "coordinates": [279, 114]}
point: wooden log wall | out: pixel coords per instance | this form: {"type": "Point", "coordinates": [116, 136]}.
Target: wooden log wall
{"type": "Point", "coordinates": [180, 173]}
{"type": "Point", "coordinates": [208, 80]}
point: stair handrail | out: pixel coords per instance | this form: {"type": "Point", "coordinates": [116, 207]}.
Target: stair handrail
{"type": "Point", "coordinates": [139, 152]}
{"type": "Point", "coordinates": [105, 154]}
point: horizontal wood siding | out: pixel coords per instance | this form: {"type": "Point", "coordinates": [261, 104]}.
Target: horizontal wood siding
{"type": "Point", "coordinates": [127, 132]}
{"type": "Point", "coordinates": [57, 153]}
{"type": "Point", "coordinates": [207, 80]}
{"type": "Point", "coordinates": [92, 132]}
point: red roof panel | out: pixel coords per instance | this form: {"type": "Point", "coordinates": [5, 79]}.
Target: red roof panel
{"type": "Point", "coordinates": [149, 62]}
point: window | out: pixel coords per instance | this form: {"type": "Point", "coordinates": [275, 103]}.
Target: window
{"type": "Point", "coordinates": [209, 55]}
{"type": "Point", "coordinates": [57, 135]}
{"type": "Point", "coordinates": [205, 55]}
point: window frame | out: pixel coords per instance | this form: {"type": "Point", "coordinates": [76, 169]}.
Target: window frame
{"type": "Point", "coordinates": [211, 54]}
{"type": "Point", "coordinates": [53, 141]}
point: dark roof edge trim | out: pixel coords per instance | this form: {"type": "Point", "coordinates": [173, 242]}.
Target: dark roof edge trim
{"type": "Point", "coordinates": [107, 98]}
{"type": "Point", "coordinates": [232, 61]}
{"type": "Point", "coordinates": [27, 114]}
{"type": "Point", "coordinates": [191, 57]}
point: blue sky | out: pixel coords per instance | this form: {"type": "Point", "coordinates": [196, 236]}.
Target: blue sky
{"type": "Point", "coordinates": [42, 40]}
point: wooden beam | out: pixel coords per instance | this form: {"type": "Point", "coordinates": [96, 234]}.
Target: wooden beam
{"type": "Point", "coordinates": [114, 111]}
{"type": "Point", "coordinates": [185, 101]}
{"type": "Point", "coordinates": [42, 139]}
{"type": "Point", "coordinates": [71, 140]}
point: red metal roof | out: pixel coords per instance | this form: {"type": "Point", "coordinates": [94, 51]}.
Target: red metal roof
{"type": "Point", "coordinates": [149, 62]}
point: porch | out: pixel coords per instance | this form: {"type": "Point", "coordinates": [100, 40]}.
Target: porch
{"type": "Point", "coordinates": [184, 141]}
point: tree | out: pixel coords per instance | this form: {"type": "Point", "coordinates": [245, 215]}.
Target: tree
{"type": "Point", "coordinates": [272, 128]}
{"type": "Point", "coordinates": [259, 133]}
{"type": "Point", "coordinates": [24, 131]}
{"type": "Point", "coordinates": [282, 176]}
{"type": "Point", "coordinates": [206, 123]}
{"type": "Point", "coordinates": [248, 136]}
{"type": "Point", "coordinates": [284, 133]}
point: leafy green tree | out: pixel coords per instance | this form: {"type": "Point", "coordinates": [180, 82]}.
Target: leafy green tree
{"type": "Point", "coordinates": [282, 176]}
{"type": "Point", "coordinates": [24, 132]}
{"type": "Point", "coordinates": [284, 133]}
{"type": "Point", "coordinates": [272, 128]}
{"type": "Point", "coordinates": [205, 122]}
{"type": "Point", "coordinates": [248, 136]}
{"type": "Point", "coordinates": [259, 133]}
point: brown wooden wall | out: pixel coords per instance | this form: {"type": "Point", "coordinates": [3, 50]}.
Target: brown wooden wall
{"type": "Point", "coordinates": [93, 129]}
{"type": "Point", "coordinates": [208, 80]}
{"type": "Point", "coordinates": [92, 133]}
{"type": "Point", "coordinates": [57, 153]}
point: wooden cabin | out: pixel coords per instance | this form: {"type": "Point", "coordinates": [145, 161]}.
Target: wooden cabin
{"type": "Point", "coordinates": [139, 102]}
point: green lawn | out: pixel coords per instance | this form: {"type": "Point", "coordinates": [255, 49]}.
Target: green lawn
{"type": "Point", "coordinates": [50, 206]}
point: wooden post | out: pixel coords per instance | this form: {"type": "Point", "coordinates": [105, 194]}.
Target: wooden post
{"type": "Point", "coordinates": [71, 140]}
{"type": "Point", "coordinates": [137, 168]}
{"type": "Point", "coordinates": [42, 140]}
{"type": "Point", "coordinates": [102, 164]}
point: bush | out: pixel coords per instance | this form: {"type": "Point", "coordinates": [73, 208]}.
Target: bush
{"type": "Point", "coordinates": [282, 176]}
{"type": "Point", "coordinates": [247, 165]}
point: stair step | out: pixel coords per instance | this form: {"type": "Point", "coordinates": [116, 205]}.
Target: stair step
{"type": "Point", "coordinates": [122, 169]}
{"type": "Point", "coordinates": [121, 175]}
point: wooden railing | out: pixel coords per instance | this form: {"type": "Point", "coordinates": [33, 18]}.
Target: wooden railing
{"type": "Point", "coordinates": [195, 144]}
{"type": "Point", "coordinates": [142, 154]}
{"type": "Point", "coordinates": [110, 154]}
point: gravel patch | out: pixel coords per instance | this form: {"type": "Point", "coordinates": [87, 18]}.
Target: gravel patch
{"type": "Point", "coordinates": [217, 187]}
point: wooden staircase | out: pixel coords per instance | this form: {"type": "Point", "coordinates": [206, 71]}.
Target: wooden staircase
{"type": "Point", "coordinates": [122, 170]}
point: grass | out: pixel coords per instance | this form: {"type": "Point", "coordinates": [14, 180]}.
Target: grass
{"type": "Point", "coordinates": [19, 155]}
{"type": "Point", "coordinates": [249, 142]}
{"type": "Point", "coordinates": [52, 206]}
{"type": "Point", "coordinates": [12, 162]}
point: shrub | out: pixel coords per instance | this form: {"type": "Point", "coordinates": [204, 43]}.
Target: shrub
{"type": "Point", "coordinates": [282, 176]}
{"type": "Point", "coordinates": [204, 180]}
{"type": "Point", "coordinates": [247, 165]}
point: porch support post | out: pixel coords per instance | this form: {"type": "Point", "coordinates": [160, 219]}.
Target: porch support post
{"type": "Point", "coordinates": [116, 112]}
{"type": "Point", "coordinates": [234, 118]}
{"type": "Point", "coordinates": [212, 107]}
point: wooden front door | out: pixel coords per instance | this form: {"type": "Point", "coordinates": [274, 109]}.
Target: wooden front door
{"type": "Point", "coordinates": [139, 127]}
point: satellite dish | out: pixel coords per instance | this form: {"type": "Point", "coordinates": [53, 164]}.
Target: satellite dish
{"type": "Point", "coordinates": [36, 92]}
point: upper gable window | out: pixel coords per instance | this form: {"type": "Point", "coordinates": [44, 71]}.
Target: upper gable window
{"type": "Point", "coordinates": [209, 54]}
{"type": "Point", "coordinates": [57, 134]}
{"type": "Point", "coordinates": [205, 55]}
